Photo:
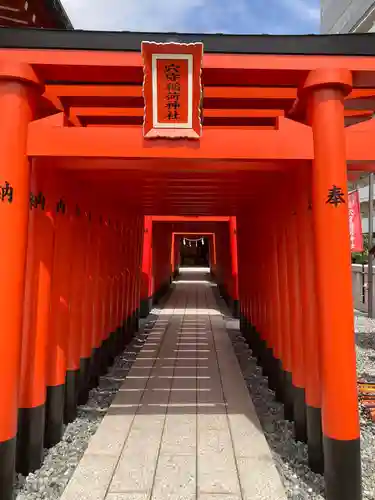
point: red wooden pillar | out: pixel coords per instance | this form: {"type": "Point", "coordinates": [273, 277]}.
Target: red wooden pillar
{"type": "Point", "coordinates": [276, 307]}
{"type": "Point", "coordinates": [139, 225]}
{"type": "Point", "coordinates": [234, 264]}
{"type": "Point", "coordinates": [126, 283]}
{"type": "Point", "coordinates": [252, 285]}
{"type": "Point", "coordinates": [136, 229]}
{"type": "Point", "coordinates": [262, 307]}
{"type": "Point", "coordinates": [285, 324]}
{"type": "Point", "coordinates": [173, 254]}
{"type": "Point", "coordinates": [177, 254]}
{"type": "Point", "coordinates": [243, 276]}
{"type": "Point", "coordinates": [127, 280]}
{"type": "Point", "coordinates": [86, 348]}
{"type": "Point", "coordinates": [147, 281]}
{"type": "Point", "coordinates": [120, 288]}
{"type": "Point", "coordinates": [246, 275]}
{"type": "Point", "coordinates": [106, 294]}
{"type": "Point", "coordinates": [57, 341]}
{"type": "Point", "coordinates": [309, 328]}
{"type": "Point", "coordinates": [326, 90]}
{"type": "Point", "coordinates": [269, 307]}
{"type": "Point", "coordinates": [211, 252]}
{"type": "Point", "coordinates": [77, 225]}
{"type": "Point", "coordinates": [296, 330]}
{"type": "Point", "coordinates": [248, 278]}
{"type": "Point", "coordinates": [132, 249]}
{"type": "Point", "coordinates": [266, 305]}
{"type": "Point", "coordinates": [32, 398]}
{"type": "Point", "coordinates": [19, 88]}
{"type": "Point", "coordinates": [117, 321]}
{"type": "Point", "coordinates": [95, 257]}
{"type": "Point", "coordinates": [120, 332]}
{"type": "Point", "coordinates": [112, 326]}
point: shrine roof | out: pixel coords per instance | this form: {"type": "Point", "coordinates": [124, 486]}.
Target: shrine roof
{"type": "Point", "coordinates": [361, 44]}
{"type": "Point", "coordinates": [58, 14]}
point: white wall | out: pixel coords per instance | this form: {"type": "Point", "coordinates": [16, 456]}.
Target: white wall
{"type": "Point", "coordinates": [357, 281]}
{"type": "Point", "coordinates": [339, 16]}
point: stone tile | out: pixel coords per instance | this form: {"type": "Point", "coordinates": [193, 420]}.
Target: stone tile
{"type": "Point", "coordinates": [171, 426]}
{"type": "Point", "coordinates": [136, 468]}
{"type": "Point", "coordinates": [247, 435]}
{"type": "Point", "coordinates": [180, 435]}
{"type": "Point", "coordinates": [214, 440]}
{"type": "Point", "coordinates": [128, 395]}
{"type": "Point", "coordinates": [218, 496]}
{"type": "Point", "coordinates": [135, 381]}
{"type": "Point", "coordinates": [260, 479]}
{"type": "Point", "coordinates": [217, 473]}
{"type": "Point", "coordinates": [128, 496]}
{"type": "Point", "coordinates": [182, 361]}
{"type": "Point", "coordinates": [175, 478]}
{"type": "Point", "coordinates": [111, 435]}
{"type": "Point", "coordinates": [91, 479]}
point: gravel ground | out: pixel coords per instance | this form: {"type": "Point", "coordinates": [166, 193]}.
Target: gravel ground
{"type": "Point", "coordinates": [291, 456]}
{"type": "Point", "coordinates": [365, 341]}
{"type": "Point", "coordinates": [49, 482]}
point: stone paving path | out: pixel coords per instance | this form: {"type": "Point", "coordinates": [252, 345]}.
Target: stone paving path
{"type": "Point", "coordinates": [182, 426]}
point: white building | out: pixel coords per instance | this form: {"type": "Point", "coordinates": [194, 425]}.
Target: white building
{"type": "Point", "coordinates": [351, 16]}
{"type": "Point", "coordinates": [347, 16]}
{"type": "Point", "coordinates": [363, 198]}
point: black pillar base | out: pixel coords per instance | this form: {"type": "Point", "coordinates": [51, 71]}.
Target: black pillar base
{"type": "Point", "coordinates": [83, 382]}
{"type": "Point", "coordinates": [258, 347]}
{"type": "Point", "coordinates": [71, 395]}
{"type": "Point", "coordinates": [54, 415]}
{"type": "Point", "coordinates": [315, 439]}
{"type": "Point", "coordinates": [122, 337]}
{"type": "Point", "coordinates": [112, 339]}
{"type": "Point", "coordinates": [30, 439]}
{"type": "Point", "coordinates": [129, 326]}
{"type": "Point", "coordinates": [128, 333]}
{"type": "Point", "coordinates": [342, 469]}
{"type": "Point", "coordinates": [120, 340]}
{"type": "Point", "coordinates": [104, 356]}
{"type": "Point", "coordinates": [279, 390]}
{"type": "Point", "coordinates": [236, 309]}
{"type": "Point", "coordinates": [251, 336]}
{"type": "Point", "coordinates": [254, 341]}
{"type": "Point", "coordinates": [261, 355]}
{"type": "Point", "coordinates": [288, 396]}
{"type": "Point", "coordinates": [7, 468]}
{"type": "Point", "coordinates": [248, 331]}
{"type": "Point", "coordinates": [269, 362]}
{"type": "Point", "coordinates": [145, 307]}
{"type": "Point", "coordinates": [136, 318]}
{"type": "Point", "coordinates": [94, 367]}
{"type": "Point", "coordinates": [242, 323]}
{"type": "Point", "coordinates": [163, 291]}
{"type": "Point", "coordinates": [299, 413]}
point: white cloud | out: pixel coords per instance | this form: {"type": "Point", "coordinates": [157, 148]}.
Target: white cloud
{"type": "Point", "coordinates": [204, 16]}
{"type": "Point", "coordinates": [130, 15]}
{"type": "Point", "coordinates": [308, 10]}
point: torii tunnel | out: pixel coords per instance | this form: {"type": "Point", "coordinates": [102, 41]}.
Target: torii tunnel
{"type": "Point", "coordinates": [90, 212]}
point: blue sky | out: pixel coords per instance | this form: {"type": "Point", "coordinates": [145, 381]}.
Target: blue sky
{"type": "Point", "coordinates": [218, 16]}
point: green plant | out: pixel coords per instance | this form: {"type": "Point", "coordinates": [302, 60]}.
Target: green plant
{"type": "Point", "coordinates": [361, 257]}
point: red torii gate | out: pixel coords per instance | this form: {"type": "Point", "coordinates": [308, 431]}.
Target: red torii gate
{"type": "Point", "coordinates": [286, 119]}
{"type": "Point", "coordinates": [183, 225]}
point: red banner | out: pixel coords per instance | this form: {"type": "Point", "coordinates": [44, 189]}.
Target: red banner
{"type": "Point", "coordinates": [172, 90]}
{"type": "Point", "coordinates": [355, 223]}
